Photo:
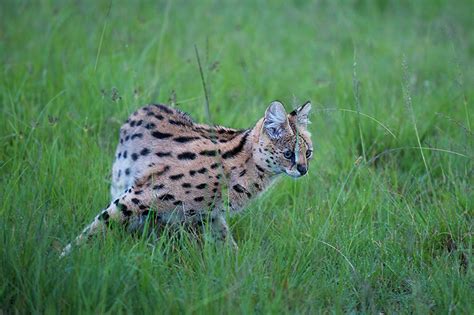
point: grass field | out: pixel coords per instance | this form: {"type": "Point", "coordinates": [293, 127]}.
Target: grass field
{"type": "Point", "coordinates": [383, 222]}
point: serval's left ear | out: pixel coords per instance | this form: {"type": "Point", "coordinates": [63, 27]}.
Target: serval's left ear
{"type": "Point", "coordinates": [301, 114]}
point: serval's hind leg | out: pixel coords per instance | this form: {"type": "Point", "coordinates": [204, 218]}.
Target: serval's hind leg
{"type": "Point", "coordinates": [125, 209]}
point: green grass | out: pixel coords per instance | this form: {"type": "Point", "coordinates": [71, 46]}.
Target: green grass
{"type": "Point", "coordinates": [379, 225]}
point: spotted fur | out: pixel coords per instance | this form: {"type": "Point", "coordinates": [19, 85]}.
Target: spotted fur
{"type": "Point", "coordinates": [171, 167]}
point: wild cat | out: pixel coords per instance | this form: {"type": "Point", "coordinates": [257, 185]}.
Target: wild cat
{"type": "Point", "coordinates": [173, 170]}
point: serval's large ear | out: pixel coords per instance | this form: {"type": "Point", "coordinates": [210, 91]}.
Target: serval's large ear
{"type": "Point", "coordinates": [301, 114]}
{"type": "Point", "coordinates": [275, 122]}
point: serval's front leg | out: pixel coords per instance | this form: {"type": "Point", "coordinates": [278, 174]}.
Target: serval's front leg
{"type": "Point", "coordinates": [133, 204]}
{"type": "Point", "coordinates": [220, 230]}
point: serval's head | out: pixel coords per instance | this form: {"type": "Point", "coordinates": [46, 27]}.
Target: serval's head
{"type": "Point", "coordinates": [285, 144]}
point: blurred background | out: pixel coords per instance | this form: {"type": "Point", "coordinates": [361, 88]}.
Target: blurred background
{"type": "Point", "coordinates": [383, 222]}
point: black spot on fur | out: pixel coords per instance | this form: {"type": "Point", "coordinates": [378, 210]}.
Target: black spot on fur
{"type": "Point", "coordinates": [215, 165]}
{"type": "Point", "coordinates": [214, 190]}
{"type": "Point", "coordinates": [132, 123]}
{"type": "Point", "coordinates": [127, 138]}
{"type": "Point", "coordinates": [237, 149]}
{"type": "Point", "coordinates": [139, 123]}
{"type": "Point", "coordinates": [199, 199]}
{"type": "Point", "coordinates": [185, 139]}
{"type": "Point", "coordinates": [208, 152]}
{"type": "Point", "coordinates": [157, 116]}
{"type": "Point", "coordinates": [192, 172]}
{"type": "Point", "coordinates": [142, 207]}
{"type": "Point", "coordinates": [125, 154]}
{"type": "Point", "coordinates": [186, 156]}
{"type": "Point", "coordinates": [259, 168]}
{"type": "Point", "coordinates": [119, 155]}
{"type": "Point", "coordinates": [257, 186]}
{"type": "Point", "coordinates": [123, 208]}
{"type": "Point", "coordinates": [231, 132]}
{"type": "Point", "coordinates": [137, 135]}
{"type": "Point", "coordinates": [216, 183]}
{"type": "Point", "coordinates": [127, 171]}
{"type": "Point", "coordinates": [161, 135]}
{"type": "Point", "coordinates": [135, 201]}
{"type": "Point", "coordinates": [176, 122]}
{"type": "Point", "coordinates": [178, 203]}
{"type": "Point", "coordinates": [242, 173]}
{"type": "Point", "coordinates": [191, 212]}
{"type": "Point", "coordinates": [202, 170]}
{"type": "Point", "coordinates": [158, 187]}
{"type": "Point", "coordinates": [176, 177]}
{"type": "Point", "coordinates": [104, 216]}
{"type": "Point", "coordinates": [163, 154]}
{"type": "Point", "coordinates": [167, 197]}
{"type": "Point", "coordinates": [164, 108]}
{"type": "Point", "coordinates": [145, 151]}
{"type": "Point", "coordinates": [186, 185]}
{"type": "Point", "coordinates": [240, 189]}
{"type": "Point", "coordinates": [138, 192]}
{"type": "Point", "coordinates": [134, 156]}
{"type": "Point", "coordinates": [150, 126]}
{"type": "Point", "coordinates": [201, 186]}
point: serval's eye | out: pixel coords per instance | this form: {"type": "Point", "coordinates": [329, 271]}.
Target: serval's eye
{"type": "Point", "coordinates": [288, 154]}
{"type": "Point", "coordinates": [309, 153]}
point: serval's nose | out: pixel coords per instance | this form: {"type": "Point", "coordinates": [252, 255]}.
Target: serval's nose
{"type": "Point", "coordinates": [302, 169]}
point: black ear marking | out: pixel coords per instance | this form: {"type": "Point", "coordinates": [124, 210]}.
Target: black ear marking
{"type": "Point", "coordinates": [306, 103]}
{"type": "Point", "coordinates": [302, 113]}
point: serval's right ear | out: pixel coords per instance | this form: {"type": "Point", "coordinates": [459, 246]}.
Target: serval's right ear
{"type": "Point", "coordinates": [275, 121]}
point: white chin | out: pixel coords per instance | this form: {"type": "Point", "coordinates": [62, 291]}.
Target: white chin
{"type": "Point", "coordinates": [294, 175]}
